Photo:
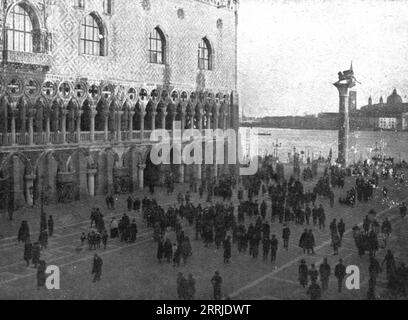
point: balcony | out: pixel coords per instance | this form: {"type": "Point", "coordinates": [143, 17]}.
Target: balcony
{"type": "Point", "coordinates": [71, 138]}
{"type": "Point", "coordinates": [30, 58]}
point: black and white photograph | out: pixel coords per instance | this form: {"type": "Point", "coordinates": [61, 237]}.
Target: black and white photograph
{"type": "Point", "coordinates": [228, 151]}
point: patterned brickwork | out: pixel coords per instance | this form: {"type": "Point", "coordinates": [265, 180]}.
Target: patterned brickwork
{"type": "Point", "coordinates": [128, 30]}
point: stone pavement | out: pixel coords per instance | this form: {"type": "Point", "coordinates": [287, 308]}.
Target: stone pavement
{"type": "Point", "coordinates": [132, 271]}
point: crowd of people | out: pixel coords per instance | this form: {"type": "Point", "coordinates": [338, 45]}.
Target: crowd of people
{"type": "Point", "coordinates": [266, 199]}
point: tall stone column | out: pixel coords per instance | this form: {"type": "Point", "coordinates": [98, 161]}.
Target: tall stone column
{"type": "Point", "coordinates": [181, 173]}
{"type": "Point", "coordinates": [48, 130]}
{"type": "Point", "coordinates": [163, 120]}
{"type": "Point", "coordinates": [199, 172]}
{"type": "Point", "coordinates": [91, 182]}
{"type": "Point", "coordinates": [183, 122]}
{"type": "Point", "coordinates": [106, 126]}
{"type": "Point", "coordinates": [29, 187]}
{"type": "Point", "coordinates": [345, 83]}
{"type": "Point", "coordinates": [200, 121]}
{"type": "Point", "coordinates": [13, 128]}
{"type": "Point", "coordinates": [154, 114]}
{"type": "Point", "coordinates": [224, 120]}
{"type": "Point", "coordinates": [192, 120]}
{"type": "Point", "coordinates": [78, 128]}
{"type": "Point", "coordinates": [119, 127]}
{"type": "Point", "coordinates": [92, 131]}
{"type": "Point", "coordinates": [209, 119]}
{"type": "Point", "coordinates": [30, 130]}
{"type": "Point", "coordinates": [216, 122]}
{"type": "Point", "coordinates": [64, 126]}
{"type": "Point", "coordinates": [141, 167]}
{"type": "Point", "coordinates": [142, 125]}
{"type": "Point", "coordinates": [131, 115]}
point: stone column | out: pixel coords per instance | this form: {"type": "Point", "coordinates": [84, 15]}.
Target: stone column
{"type": "Point", "coordinates": [48, 130]}
{"type": "Point", "coordinates": [119, 126]}
{"type": "Point", "coordinates": [192, 120]}
{"type": "Point", "coordinates": [78, 128]}
{"type": "Point", "coordinates": [209, 119]}
{"type": "Point", "coordinates": [224, 120]}
{"type": "Point", "coordinates": [106, 127]}
{"type": "Point", "coordinates": [183, 122]}
{"type": "Point", "coordinates": [29, 188]}
{"type": "Point", "coordinates": [13, 128]}
{"type": "Point", "coordinates": [131, 115]}
{"type": "Point", "coordinates": [92, 130]}
{"type": "Point", "coordinates": [200, 121]}
{"type": "Point", "coordinates": [163, 123]}
{"type": "Point", "coordinates": [181, 173]}
{"type": "Point", "coordinates": [173, 120]}
{"type": "Point", "coordinates": [30, 130]}
{"type": "Point", "coordinates": [141, 167]}
{"type": "Point", "coordinates": [154, 114]}
{"type": "Point", "coordinates": [142, 125]}
{"type": "Point", "coordinates": [216, 122]}
{"type": "Point", "coordinates": [91, 182]}
{"type": "Point", "coordinates": [64, 127]}
{"type": "Point", "coordinates": [343, 87]}
{"type": "Point", "coordinates": [199, 172]}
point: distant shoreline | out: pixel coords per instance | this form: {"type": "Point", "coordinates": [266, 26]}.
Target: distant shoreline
{"type": "Point", "coordinates": [266, 126]}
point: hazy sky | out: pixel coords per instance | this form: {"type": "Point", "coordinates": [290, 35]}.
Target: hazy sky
{"type": "Point", "coordinates": [291, 51]}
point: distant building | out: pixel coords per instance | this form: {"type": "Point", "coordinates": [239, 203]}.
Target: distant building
{"type": "Point", "coordinates": [382, 116]}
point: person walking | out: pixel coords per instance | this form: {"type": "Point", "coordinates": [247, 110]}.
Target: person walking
{"type": "Point", "coordinates": [97, 268]}
{"type": "Point", "coordinates": [216, 281]}
{"type": "Point", "coordinates": [325, 271]}
{"type": "Point", "coordinates": [340, 273]}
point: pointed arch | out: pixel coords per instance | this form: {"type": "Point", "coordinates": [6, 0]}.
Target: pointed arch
{"type": "Point", "coordinates": [93, 35]}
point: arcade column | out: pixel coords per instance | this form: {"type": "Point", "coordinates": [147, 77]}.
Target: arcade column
{"type": "Point", "coordinates": [91, 182]}
{"type": "Point", "coordinates": [142, 167]}
{"type": "Point", "coordinates": [29, 188]}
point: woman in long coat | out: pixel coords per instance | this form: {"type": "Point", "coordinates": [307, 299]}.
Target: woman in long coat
{"type": "Point", "coordinates": [160, 250]}
{"type": "Point", "coordinates": [303, 274]}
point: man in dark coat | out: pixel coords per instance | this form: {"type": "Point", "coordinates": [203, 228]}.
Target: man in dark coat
{"type": "Point", "coordinates": [303, 273]}
{"type": "Point", "coordinates": [23, 232]}
{"type": "Point", "coordinates": [325, 271]}
{"type": "Point", "coordinates": [41, 277]}
{"type": "Point", "coordinates": [36, 251]}
{"type": "Point", "coordinates": [43, 239]}
{"type": "Point", "coordinates": [266, 245]}
{"type": "Point", "coordinates": [130, 203]}
{"type": "Point", "coordinates": [227, 249]}
{"type": "Point", "coordinates": [274, 248]}
{"type": "Point", "coordinates": [133, 231]}
{"type": "Point", "coordinates": [50, 226]}
{"type": "Point", "coordinates": [136, 205]}
{"type": "Point", "coordinates": [341, 227]}
{"type": "Point", "coordinates": [285, 237]}
{"type": "Point", "coordinates": [340, 273]}
{"type": "Point", "coordinates": [302, 241]}
{"type": "Point", "coordinates": [314, 291]}
{"type": "Point", "coordinates": [216, 281]}
{"type": "Point", "coordinates": [160, 250]}
{"type": "Point", "coordinates": [97, 268]}
{"type": "Point", "coordinates": [168, 250]}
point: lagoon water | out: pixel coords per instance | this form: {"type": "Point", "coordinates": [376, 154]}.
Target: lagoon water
{"type": "Point", "coordinates": [363, 144]}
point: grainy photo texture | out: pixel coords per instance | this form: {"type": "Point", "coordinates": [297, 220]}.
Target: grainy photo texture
{"type": "Point", "coordinates": [203, 150]}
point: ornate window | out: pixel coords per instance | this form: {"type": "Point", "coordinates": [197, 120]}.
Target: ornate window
{"type": "Point", "coordinates": [205, 54]}
{"type": "Point", "coordinates": [20, 32]}
{"type": "Point", "coordinates": [157, 47]}
{"type": "Point", "coordinates": [79, 4]}
{"type": "Point", "coordinates": [92, 37]}
{"type": "Point", "coordinates": [107, 6]}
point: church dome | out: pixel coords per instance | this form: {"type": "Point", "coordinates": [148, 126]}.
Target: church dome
{"type": "Point", "coordinates": [394, 99]}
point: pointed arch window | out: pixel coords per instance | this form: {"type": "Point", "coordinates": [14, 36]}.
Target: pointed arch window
{"type": "Point", "coordinates": [157, 46]}
{"type": "Point", "coordinates": [205, 55]}
{"type": "Point", "coordinates": [92, 36]}
{"type": "Point", "coordinates": [20, 31]}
